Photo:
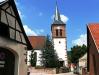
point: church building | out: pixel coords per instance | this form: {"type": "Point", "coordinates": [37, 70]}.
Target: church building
{"type": "Point", "coordinates": [59, 38]}
{"type": "Point", "coordinates": [13, 41]}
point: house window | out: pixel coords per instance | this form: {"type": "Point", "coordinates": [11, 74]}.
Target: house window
{"type": "Point", "coordinates": [4, 30]}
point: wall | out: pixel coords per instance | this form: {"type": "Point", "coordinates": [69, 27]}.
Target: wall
{"type": "Point", "coordinates": [93, 56]}
{"type": "Point", "coordinates": [28, 57]}
{"type": "Point", "coordinates": [54, 27]}
{"type": "Point", "coordinates": [60, 47]}
{"type": "Point", "coordinates": [83, 60]}
{"type": "Point", "coordinates": [38, 63]}
{"type": "Point", "coordinates": [82, 64]}
{"type": "Point", "coordinates": [19, 51]}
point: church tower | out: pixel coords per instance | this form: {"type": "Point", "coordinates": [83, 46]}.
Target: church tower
{"type": "Point", "coordinates": [59, 38]}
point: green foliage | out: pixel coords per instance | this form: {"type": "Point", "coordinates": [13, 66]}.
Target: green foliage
{"type": "Point", "coordinates": [69, 56]}
{"type": "Point", "coordinates": [33, 58]}
{"type": "Point", "coordinates": [77, 52]}
{"type": "Point", "coordinates": [49, 56]}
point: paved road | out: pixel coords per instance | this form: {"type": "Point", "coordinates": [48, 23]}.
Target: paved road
{"type": "Point", "coordinates": [70, 73]}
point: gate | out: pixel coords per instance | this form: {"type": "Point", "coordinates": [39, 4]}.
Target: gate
{"type": "Point", "coordinates": [7, 62]}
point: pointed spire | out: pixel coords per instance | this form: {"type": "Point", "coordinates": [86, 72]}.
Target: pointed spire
{"type": "Point", "coordinates": [57, 14]}
{"type": "Point", "coordinates": [57, 18]}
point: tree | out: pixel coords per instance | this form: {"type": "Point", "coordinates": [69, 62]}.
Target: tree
{"type": "Point", "coordinates": [33, 58]}
{"type": "Point", "coordinates": [69, 56]}
{"type": "Point", "coordinates": [49, 56]}
{"type": "Point", "coordinates": [77, 52]}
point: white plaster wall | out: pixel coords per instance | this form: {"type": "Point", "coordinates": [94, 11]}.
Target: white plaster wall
{"type": "Point", "coordinates": [28, 57]}
{"type": "Point", "coordinates": [38, 63]}
{"type": "Point", "coordinates": [82, 63]}
{"type": "Point", "coordinates": [61, 48]}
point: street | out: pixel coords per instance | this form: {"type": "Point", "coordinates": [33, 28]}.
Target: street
{"type": "Point", "coordinates": [70, 73]}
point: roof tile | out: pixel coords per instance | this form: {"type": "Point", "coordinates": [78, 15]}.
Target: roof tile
{"type": "Point", "coordinates": [37, 42]}
{"type": "Point", "coordinates": [94, 29]}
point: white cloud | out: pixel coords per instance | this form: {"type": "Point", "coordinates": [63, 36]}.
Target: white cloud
{"type": "Point", "coordinates": [29, 31]}
{"type": "Point", "coordinates": [20, 13]}
{"type": "Point", "coordinates": [39, 31]}
{"type": "Point", "coordinates": [63, 18]}
{"type": "Point", "coordinates": [81, 40]}
{"type": "Point", "coordinates": [2, 0]}
{"type": "Point", "coordinates": [40, 14]}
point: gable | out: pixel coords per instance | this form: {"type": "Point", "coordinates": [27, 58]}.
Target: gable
{"type": "Point", "coordinates": [9, 17]}
{"type": "Point", "coordinates": [94, 31]}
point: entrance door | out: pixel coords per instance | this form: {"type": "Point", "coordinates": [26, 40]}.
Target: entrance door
{"type": "Point", "coordinates": [61, 63]}
{"type": "Point", "coordinates": [7, 62]}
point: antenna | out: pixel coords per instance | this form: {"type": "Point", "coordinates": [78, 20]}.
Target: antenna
{"type": "Point", "coordinates": [56, 2]}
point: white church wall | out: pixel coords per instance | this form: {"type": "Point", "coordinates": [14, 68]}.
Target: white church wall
{"type": "Point", "coordinates": [38, 63]}
{"type": "Point", "coordinates": [60, 47]}
{"type": "Point", "coordinates": [28, 57]}
{"type": "Point", "coordinates": [39, 59]}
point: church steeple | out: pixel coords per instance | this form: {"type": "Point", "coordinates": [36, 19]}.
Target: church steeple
{"type": "Point", "coordinates": [59, 37]}
{"type": "Point", "coordinates": [57, 17]}
{"type": "Point", "coordinates": [57, 14]}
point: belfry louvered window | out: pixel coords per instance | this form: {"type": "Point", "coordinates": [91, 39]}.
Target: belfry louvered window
{"type": "Point", "coordinates": [56, 32]}
{"type": "Point", "coordinates": [60, 32]}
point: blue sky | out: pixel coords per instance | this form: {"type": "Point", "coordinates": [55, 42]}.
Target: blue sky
{"type": "Point", "coordinates": [37, 15]}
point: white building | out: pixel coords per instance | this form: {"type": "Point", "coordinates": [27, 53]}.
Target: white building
{"type": "Point", "coordinates": [37, 43]}
{"type": "Point", "coordinates": [82, 63]}
{"type": "Point", "coordinates": [59, 38]}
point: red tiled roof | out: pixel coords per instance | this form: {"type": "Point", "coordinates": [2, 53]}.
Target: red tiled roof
{"type": "Point", "coordinates": [94, 29]}
{"type": "Point", "coordinates": [37, 42]}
